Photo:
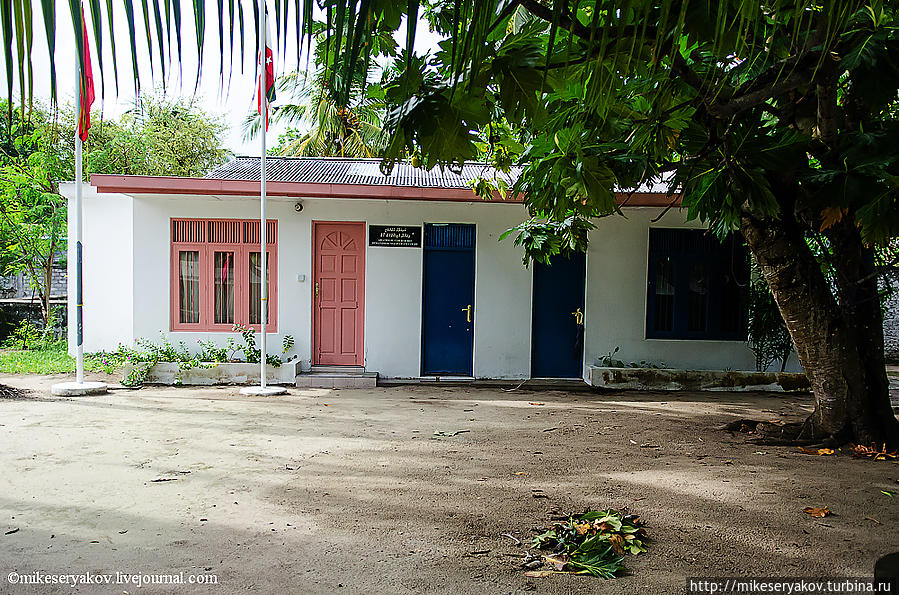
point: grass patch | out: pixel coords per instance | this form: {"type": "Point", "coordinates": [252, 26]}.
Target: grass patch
{"type": "Point", "coordinates": [52, 359]}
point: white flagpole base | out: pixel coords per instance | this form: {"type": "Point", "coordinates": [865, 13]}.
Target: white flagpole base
{"type": "Point", "coordinates": [264, 391]}
{"type": "Point", "coordinates": [78, 389]}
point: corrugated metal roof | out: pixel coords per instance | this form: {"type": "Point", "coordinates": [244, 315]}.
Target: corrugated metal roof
{"type": "Point", "coordinates": [332, 170]}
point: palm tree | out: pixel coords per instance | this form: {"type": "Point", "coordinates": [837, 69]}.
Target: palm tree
{"type": "Point", "coordinates": [320, 124]}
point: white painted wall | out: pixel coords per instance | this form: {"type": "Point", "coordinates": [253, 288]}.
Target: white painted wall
{"type": "Point", "coordinates": [617, 270]}
{"type": "Point", "coordinates": [127, 260]}
{"type": "Point", "coordinates": [107, 268]}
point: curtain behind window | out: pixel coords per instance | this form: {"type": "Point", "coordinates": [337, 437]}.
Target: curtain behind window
{"type": "Point", "coordinates": [223, 265]}
{"type": "Point", "coordinates": [189, 287]}
{"type": "Point", "coordinates": [256, 286]}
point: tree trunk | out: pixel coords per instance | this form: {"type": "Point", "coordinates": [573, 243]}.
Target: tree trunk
{"type": "Point", "coordinates": [46, 287]}
{"type": "Point", "coordinates": [839, 341]}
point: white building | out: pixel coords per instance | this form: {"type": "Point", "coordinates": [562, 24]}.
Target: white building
{"type": "Point", "coordinates": [402, 274]}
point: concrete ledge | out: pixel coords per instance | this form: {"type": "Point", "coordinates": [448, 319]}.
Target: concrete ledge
{"type": "Point", "coordinates": [78, 389]}
{"type": "Point", "coordinates": [221, 373]}
{"type": "Point", "coordinates": [695, 380]}
{"type": "Point", "coordinates": [336, 380]}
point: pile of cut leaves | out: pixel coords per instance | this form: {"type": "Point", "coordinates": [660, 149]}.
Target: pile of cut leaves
{"type": "Point", "coordinates": [594, 542]}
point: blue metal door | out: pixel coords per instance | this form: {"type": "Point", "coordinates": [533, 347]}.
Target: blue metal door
{"type": "Point", "coordinates": [448, 301]}
{"type": "Point", "coordinates": [557, 342]}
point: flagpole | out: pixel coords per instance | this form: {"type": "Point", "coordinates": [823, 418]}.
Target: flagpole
{"type": "Point", "coordinates": [79, 387]}
{"type": "Point", "coordinates": [263, 253]}
{"type": "Point", "coordinates": [262, 389]}
{"type": "Point", "coordinates": [79, 301]}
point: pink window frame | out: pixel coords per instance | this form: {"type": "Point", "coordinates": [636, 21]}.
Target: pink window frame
{"type": "Point", "coordinates": [242, 281]}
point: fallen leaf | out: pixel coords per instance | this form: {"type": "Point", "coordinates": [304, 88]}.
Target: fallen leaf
{"type": "Point", "coordinates": [888, 493]}
{"type": "Point", "coordinates": [871, 451]}
{"type": "Point", "coordinates": [617, 543]}
{"type": "Point", "coordinates": [581, 528]}
{"type": "Point", "coordinates": [520, 473]}
{"type": "Point", "coordinates": [450, 434]}
{"type": "Point", "coordinates": [638, 499]}
{"type": "Point", "coordinates": [558, 561]}
{"type": "Point", "coordinates": [816, 451]}
{"type": "Point", "coordinates": [818, 513]}
{"type": "Point", "coordinates": [11, 531]}
{"type": "Point", "coordinates": [537, 404]}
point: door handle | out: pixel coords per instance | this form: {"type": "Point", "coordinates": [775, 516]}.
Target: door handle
{"type": "Point", "coordinates": [467, 313]}
{"type": "Point", "coordinates": [578, 317]}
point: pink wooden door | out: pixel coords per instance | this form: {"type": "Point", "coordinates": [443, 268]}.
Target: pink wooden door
{"type": "Point", "coordinates": [338, 316]}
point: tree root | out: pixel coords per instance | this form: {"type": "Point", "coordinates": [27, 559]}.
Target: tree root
{"type": "Point", "coordinates": [769, 434]}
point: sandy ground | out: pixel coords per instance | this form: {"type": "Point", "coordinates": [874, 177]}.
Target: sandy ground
{"type": "Point", "coordinates": [350, 491]}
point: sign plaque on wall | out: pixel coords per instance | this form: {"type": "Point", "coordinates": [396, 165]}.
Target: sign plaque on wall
{"type": "Point", "coordinates": [397, 236]}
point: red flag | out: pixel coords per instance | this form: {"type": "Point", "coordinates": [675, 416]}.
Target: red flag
{"type": "Point", "coordinates": [87, 85]}
{"type": "Point", "coordinates": [266, 87]}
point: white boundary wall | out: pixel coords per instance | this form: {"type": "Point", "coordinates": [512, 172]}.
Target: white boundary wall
{"type": "Point", "coordinates": [127, 260]}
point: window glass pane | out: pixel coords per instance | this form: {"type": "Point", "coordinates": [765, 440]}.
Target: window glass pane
{"type": "Point", "coordinates": [664, 296]}
{"type": "Point", "coordinates": [698, 300]}
{"type": "Point", "coordinates": [256, 286]}
{"type": "Point", "coordinates": [223, 273]}
{"type": "Point", "coordinates": [733, 286]}
{"type": "Point", "coordinates": [189, 287]}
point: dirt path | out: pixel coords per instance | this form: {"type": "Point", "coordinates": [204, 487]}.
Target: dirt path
{"type": "Point", "coordinates": [351, 491]}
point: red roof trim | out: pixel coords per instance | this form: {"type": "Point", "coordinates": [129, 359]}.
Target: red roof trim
{"type": "Point", "coordinates": [207, 186]}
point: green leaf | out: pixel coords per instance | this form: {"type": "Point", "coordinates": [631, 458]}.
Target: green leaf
{"type": "Point", "coordinates": [115, 65]}
{"type": "Point", "coordinates": [132, 39]}
{"type": "Point", "coordinates": [176, 16]}
{"type": "Point", "coordinates": [48, 8]}
{"type": "Point", "coordinates": [19, 12]}
{"type": "Point", "coordinates": [200, 27]}
{"type": "Point", "coordinates": [160, 42]}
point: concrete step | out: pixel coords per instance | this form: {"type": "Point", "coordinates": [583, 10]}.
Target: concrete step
{"type": "Point", "coordinates": [320, 379]}
{"type": "Point", "coordinates": [338, 369]}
